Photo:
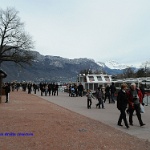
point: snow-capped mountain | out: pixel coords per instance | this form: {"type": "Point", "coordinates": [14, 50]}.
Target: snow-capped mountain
{"type": "Point", "coordinates": [56, 68]}
{"type": "Point", "coordinates": [111, 64]}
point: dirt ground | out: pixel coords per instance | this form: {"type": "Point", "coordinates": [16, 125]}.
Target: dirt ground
{"type": "Point", "coordinates": [31, 123]}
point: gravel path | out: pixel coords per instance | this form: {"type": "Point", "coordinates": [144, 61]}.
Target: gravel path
{"type": "Point", "coordinates": [31, 123]}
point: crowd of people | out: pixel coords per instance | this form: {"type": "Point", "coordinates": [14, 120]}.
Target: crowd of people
{"type": "Point", "coordinates": [75, 90]}
{"type": "Point", "coordinates": [129, 99]}
{"type": "Point", "coordinates": [102, 94]}
{"type": "Point", "coordinates": [44, 88]}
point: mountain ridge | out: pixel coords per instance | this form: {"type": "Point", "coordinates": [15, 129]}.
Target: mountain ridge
{"type": "Point", "coordinates": [55, 68]}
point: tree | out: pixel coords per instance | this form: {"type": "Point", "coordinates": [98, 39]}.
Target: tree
{"type": "Point", "coordinates": [128, 73]}
{"type": "Point", "coordinates": [15, 43]}
{"type": "Point", "coordinates": [146, 68]}
{"type": "Point", "coordinates": [140, 73]}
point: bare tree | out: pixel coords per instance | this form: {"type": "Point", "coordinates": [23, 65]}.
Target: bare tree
{"type": "Point", "coordinates": [128, 73]}
{"type": "Point", "coordinates": [140, 73]}
{"type": "Point", "coordinates": [146, 68]}
{"type": "Point", "coordinates": [15, 43]}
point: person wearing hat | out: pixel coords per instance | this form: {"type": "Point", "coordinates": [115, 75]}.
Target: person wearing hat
{"type": "Point", "coordinates": [134, 99]}
{"type": "Point", "coordinates": [122, 102]}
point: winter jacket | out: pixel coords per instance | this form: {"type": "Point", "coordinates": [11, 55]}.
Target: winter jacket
{"type": "Point", "coordinates": [99, 94]}
{"type": "Point", "coordinates": [122, 100]}
{"type": "Point", "coordinates": [89, 95]}
{"type": "Point", "coordinates": [112, 88]}
{"type": "Point", "coordinates": [131, 100]}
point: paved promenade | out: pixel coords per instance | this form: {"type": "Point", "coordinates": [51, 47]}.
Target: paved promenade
{"type": "Point", "coordinates": [32, 122]}
{"type": "Point", "coordinates": [109, 115]}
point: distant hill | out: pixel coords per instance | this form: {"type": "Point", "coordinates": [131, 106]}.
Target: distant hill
{"type": "Point", "coordinates": [53, 69]}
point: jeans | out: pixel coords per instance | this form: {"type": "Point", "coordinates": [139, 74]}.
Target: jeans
{"type": "Point", "coordinates": [122, 117]}
{"type": "Point", "coordinates": [100, 101]}
{"type": "Point", "coordinates": [89, 103]}
{"type": "Point", "coordinates": [137, 109]}
{"type": "Point", "coordinates": [112, 97]}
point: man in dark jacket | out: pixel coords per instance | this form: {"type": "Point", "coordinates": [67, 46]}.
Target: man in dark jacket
{"type": "Point", "coordinates": [112, 91]}
{"type": "Point", "coordinates": [99, 96]}
{"type": "Point", "coordinates": [80, 89]}
{"type": "Point", "coordinates": [122, 102]}
{"type": "Point", "coordinates": [7, 91]}
{"type": "Point", "coordinates": [107, 93]}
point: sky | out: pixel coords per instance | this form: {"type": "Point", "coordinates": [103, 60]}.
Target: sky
{"type": "Point", "coordinates": [102, 30]}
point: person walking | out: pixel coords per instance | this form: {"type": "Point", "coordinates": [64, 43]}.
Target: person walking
{"type": "Point", "coordinates": [34, 88]}
{"type": "Point", "coordinates": [7, 91]}
{"type": "Point", "coordinates": [99, 96]}
{"type": "Point", "coordinates": [46, 89]}
{"type": "Point", "coordinates": [29, 88]}
{"type": "Point", "coordinates": [112, 92]}
{"type": "Point", "coordinates": [134, 99]}
{"type": "Point", "coordinates": [49, 89]}
{"type": "Point", "coordinates": [42, 88]}
{"type": "Point", "coordinates": [122, 101]}
{"type": "Point", "coordinates": [80, 90]}
{"type": "Point", "coordinates": [56, 88]}
{"type": "Point", "coordinates": [89, 96]}
{"type": "Point", "coordinates": [143, 92]}
{"type": "Point", "coordinates": [76, 90]}
{"type": "Point", "coordinates": [53, 89]}
{"type": "Point", "coordinates": [107, 93]}
{"type": "Point", "coordinates": [69, 89]}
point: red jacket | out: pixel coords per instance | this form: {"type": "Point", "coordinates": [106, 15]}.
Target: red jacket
{"type": "Point", "coordinates": [130, 98]}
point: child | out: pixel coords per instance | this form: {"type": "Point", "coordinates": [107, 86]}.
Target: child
{"type": "Point", "coordinates": [89, 98]}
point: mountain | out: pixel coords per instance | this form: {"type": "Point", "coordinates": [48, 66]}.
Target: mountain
{"type": "Point", "coordinates": [56, 69]}
{"type": "Point", "coordinates": [113, 65]}
{"type": "Point", "coordinates": [49, 68]}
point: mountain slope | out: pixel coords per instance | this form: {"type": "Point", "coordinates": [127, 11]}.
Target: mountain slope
{"type": "Point", "coordinates": [55, 69]}
{"type": "Point", "coordinates": [49, 68]}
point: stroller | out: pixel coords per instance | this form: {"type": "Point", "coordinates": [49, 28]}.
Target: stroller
{"type": "Point", "coordinates": [72, 92]}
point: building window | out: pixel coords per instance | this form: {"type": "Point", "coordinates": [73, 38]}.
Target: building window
{"type": "Point", "coordinates": [107, 78]}
{"type": "Point", "coordinates": [91, 78]}
{"type": "Point", "coordinates": [99, 78]}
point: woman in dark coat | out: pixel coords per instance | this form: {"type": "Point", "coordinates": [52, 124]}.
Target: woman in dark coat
{"type": "Point", "coordinates": [122, 101]}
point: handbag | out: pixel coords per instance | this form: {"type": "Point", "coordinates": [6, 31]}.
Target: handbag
{"type": "Point", "coordinates": [142, 110]}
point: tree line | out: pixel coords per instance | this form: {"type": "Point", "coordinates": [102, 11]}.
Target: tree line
{"type": "Point", "coordinates": [129, 72]}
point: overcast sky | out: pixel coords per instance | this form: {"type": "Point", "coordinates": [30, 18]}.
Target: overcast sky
{"type": "Point", "coordinates": [98, 29]}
